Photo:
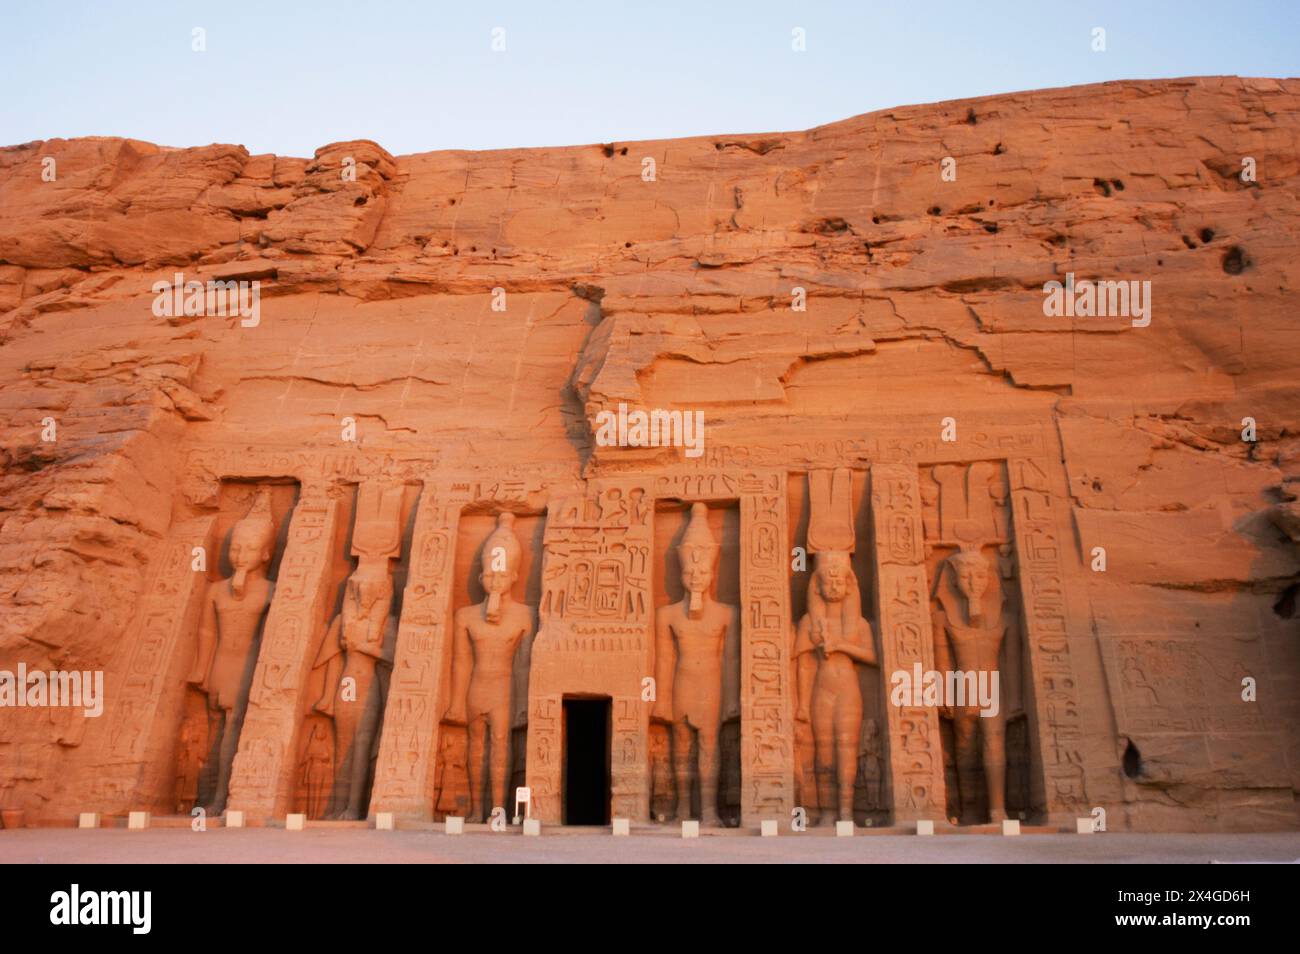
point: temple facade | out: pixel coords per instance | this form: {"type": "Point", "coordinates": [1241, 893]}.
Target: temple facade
{"type": "Point", "coordinates": [428, 642]}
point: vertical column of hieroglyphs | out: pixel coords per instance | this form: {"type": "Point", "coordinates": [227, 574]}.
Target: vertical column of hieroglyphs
{"type": "Point", "coordinates": [169, 608]}
{"type": "Point", "coordinates": [630, 537]}
{"type": "Point", "coordinates": [766, 719]}
{"type": "Point", "coordinates": [543, 758]}
{"type": "Point", "coordinates": [404, 775]}
{"type": "Point", "coordinates": [1056, 691]}
{"type": "Point", "coordinates": [903, 601]}
{"type": "Point", "coordinates": [262, 777]}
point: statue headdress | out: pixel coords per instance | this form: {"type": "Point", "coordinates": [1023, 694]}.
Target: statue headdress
{"type": "Point", "coordinates": [503, 537]}
{"type": "Point", "coordinates": [698, 536]}
{"type": "Point", "coordinates": [258, 519]}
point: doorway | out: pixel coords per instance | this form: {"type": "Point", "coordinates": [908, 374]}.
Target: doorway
{"type": "Point", "coordinates": [586, 760]}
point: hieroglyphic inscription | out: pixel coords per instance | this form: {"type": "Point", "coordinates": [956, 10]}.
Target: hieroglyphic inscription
{"type": "Point", "coordinates": [594, 637]}
{"type": "Point", "coordinates": [891, 445]}
{"type": "Point", "coordinates": [597, 564]}
{"type": "Point", "coordinates": [915, 758]}
{"type": "Point", "coordinates": [766, 725]}
{"type": "Point", "coordinates": [262, 779]}
{"type": "Point", "coordinates": [168, 610]}
{"type": "Point", "coordinates": [404, 775]}
{"type": "Point", "coordinates": [1056, 690]}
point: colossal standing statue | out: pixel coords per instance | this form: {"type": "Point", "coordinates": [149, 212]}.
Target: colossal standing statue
{"type": "Point", "coordinates": [357, 652]}
{"type": "Point", "coordinates": [486, 637]}
{"type": "Point", "coordinates": [229, 634]}
{"type": "Point", "coordinates": [697, 661]}
{"type": "Point", "coordinates": [969, 629]}
{"type": "Point", "coordinates": [831, 639]}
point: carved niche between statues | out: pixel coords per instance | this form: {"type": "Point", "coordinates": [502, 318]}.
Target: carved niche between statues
{"type": "Point", "coordinates": [247, 546]}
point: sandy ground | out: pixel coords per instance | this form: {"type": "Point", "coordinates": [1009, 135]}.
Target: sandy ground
{"type": "Point", "coordinates": [341, 846]}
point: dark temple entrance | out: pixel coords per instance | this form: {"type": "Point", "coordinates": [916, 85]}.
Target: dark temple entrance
{"type": "Point", "coordinates": [586, 761]}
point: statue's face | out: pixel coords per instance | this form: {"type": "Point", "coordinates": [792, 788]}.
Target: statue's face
{"type": "Point", "coordinates": [363, 594]}
{"type": "Point", "coordinates": [697, 570]}
{"type": "Point", "coordinates": [972, 579]}
{"type": "Point", "coordinates": [833, 578]}
{"type": "Point", "coordinates": [496, 582]}
{"type": "Point", "coordinates": [249, 548]}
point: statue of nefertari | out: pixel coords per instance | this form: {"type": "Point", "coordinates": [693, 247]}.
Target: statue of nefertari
{"type": "Point", "coordinates": [831, 640]}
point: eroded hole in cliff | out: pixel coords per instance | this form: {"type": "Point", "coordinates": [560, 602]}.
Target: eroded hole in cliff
{"type": "Point", "coordinates": [1132, 760]}
{"type": "Point", "coordinates": [1235, 261]}
{"type": "Point", "coordinates": [1285, 605]}
{"type": "Point", "coordinates": [971, 117]}
{"type": "Point", "coordinates": [1207, 236]}
{"type": "Point", "coordinates": [830, 226]}
{"type": "Point", "coordinates": [1102, 187]}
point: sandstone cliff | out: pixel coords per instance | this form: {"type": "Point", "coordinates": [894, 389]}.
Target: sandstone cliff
{"type": "Point", "coordinates": [924, 301]}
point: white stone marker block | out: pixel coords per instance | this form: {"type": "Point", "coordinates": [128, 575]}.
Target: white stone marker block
{"type": "Point", "coordinates": [924, 826]}
{"type": "Point", "coordinates": [767, 828]}
{"type": "Point", "coordinates": [622, 826]}
{"type": "Point", "coordinates": [233, 818]}
{"type": "Point", "coordinates": [532, 826]}
{"type": "Point", "coordinates": [1083, 826]}
{"type": "Point", "coordinates": [137, 821]}
{"type": "Point", "coordinates": [295, 822]}
{"type": "Point", "coordinates": [1011, 826]}
{"type": "Point", "coordinates": [690, 829]}
{"type": "Point", "coordinates": [454, 825]}
{"type": "Point", "coordinates": [384, 821]}
{"type": "Point", "coordinates": [844, 829]}
{"type": "Point", "coordinates": [88, 820]}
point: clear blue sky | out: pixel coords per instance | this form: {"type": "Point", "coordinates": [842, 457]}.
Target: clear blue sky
{"type": "Point", "coordinates": [415, 76]}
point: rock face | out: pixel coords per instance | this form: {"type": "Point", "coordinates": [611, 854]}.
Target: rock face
{"type": "Point", "coordinates": [906, 464]}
